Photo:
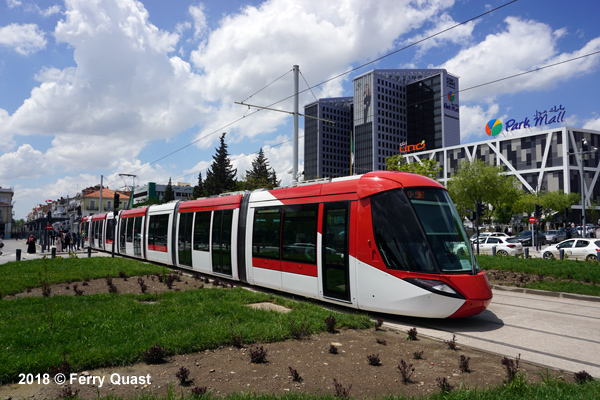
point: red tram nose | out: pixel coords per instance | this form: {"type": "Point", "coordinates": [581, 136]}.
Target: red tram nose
{"type": "Point", "coordinates": [477, 292]}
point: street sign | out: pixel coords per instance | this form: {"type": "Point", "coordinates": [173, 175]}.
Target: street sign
{"type": "Point", "coordinates": [48, 227]}
{"type": "Point", "coordinates": [532, 220]}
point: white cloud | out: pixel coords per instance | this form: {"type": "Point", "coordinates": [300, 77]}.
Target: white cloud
{"type": "Point", "coordinates": [592, 124]}
{"type": "Point", "coordinates": [13, 3]}
{"type": "Point", "coordinates": [26, 162]}
{"type": "Point", "coordinates": [25, 39]}
{"type": "Point", "coordinates": [522, 46]}
{"type": "Point", "coordinates": [458, 35]}
{"type": "Point", "coordinates": [200, 25]}
{"type": "Point", "coordinates": [473, 120]}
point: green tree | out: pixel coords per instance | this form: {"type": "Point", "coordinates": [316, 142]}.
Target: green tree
{"type": "Point", "coordinates": [220, 177]}
{"type": "Point", "coordinates": [199, 188]}
{"type": "Point", "coordinates": [169, 193]}
{"type": "Point", "coordinates": [261, 176]}
{"type": "Point", "coordinates": [478, 181]}
{"type": "Point", "coordinates": [428, 168]}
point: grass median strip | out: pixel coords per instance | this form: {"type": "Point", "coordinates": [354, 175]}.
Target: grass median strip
{"type": "Point", "coordinates": [17, 276]}
{"type": "Point", "coordinates": [111, 329]}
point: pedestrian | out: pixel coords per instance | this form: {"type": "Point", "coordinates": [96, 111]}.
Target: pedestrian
{"type": "Point", "coordinates": [31, 245]}
{"type": "Point", "coordinates": [59, 243]}
{"type": "Point", "coordinates": [67, 241]}
{"type": "Point", "coordinates": [1, 245]}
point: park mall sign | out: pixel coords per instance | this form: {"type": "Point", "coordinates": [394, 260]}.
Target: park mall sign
{"type": "Point", "coordinates": [547, 117]}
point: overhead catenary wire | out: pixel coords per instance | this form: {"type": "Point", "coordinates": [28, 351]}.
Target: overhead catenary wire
{"type": "Point", "coordinates": [323, 82]}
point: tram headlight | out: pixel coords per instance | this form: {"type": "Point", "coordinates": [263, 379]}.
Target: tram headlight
{"type": "Point", "coordinates": [435, 286]}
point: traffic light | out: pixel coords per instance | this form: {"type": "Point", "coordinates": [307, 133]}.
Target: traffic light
{"type": "Point", "coordinates": [538, 211]}
{"type": "Point", "coordinates": [116, 201]}
{"type": "Point", "coordinates": [480, 209]}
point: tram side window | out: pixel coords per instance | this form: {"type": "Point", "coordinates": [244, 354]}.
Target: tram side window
{"type": "Point", "coordinates": [130, 231]}
{"type": "Point", "coordinates": [300, 233]}
{"type": "Point", "coordinates": [122, 233]}
{"type": "Point", "coordinates": [110, 229]}
{"type": "Point", "coordinates": [158, 230]}
{"type": "Point", "coordinates": [202, 231]}
{"type": "Point", "coordinates": [266, 232]}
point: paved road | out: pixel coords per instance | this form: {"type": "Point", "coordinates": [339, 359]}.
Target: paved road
{"type": "Point", "coordinates": [559, 332]}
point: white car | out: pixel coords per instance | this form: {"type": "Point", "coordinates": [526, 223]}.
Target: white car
{"type": "Point", "coordinates": [578, 249]}
{"type": "Point", "coordinates": [505, 246]}
{"type": "Point", "coordinates": [487, 234]}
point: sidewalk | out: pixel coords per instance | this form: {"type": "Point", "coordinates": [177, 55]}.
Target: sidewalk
{"type": "Point", "coordinates": [9, 252]}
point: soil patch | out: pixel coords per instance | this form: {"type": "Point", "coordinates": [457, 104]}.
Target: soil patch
{"type": "Point", "coordinates": [229, 369]}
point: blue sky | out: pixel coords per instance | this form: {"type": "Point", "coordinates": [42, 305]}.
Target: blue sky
{"type": "Point", "coordinates": [108, 87]}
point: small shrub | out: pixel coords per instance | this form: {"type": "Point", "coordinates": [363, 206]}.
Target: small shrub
{"type": "Point", "coordinates": [183, 375]}
{"type": "Point", "coordinates": [340, 391]}
{"type": "Point", "coordinates": [142, 283]}
{"type": "Point", "coordinates": [236, 339]}
{"type": "Point", "coordinates": [582, 377]}
{"type": "Point", "coordinates": [444, 385]}
{"type": "Point", "coordinates": [170, 280]}
{"type": "Point", "coordinates": [63, 368]}
{"type": "Point", "coordinates": [258, 355]}
{"type": "Point", "coordinates": [199, 391]}
{"type": "Point", "coordinates": [295, 375]}
{"type": "Point", "coordinates": [463, 364]}
{"type": "Point", "coordinates": [374, 360]}
{"type": "Point", "coordinates": [378, 323]}
{"type": "Point", "coordinates": [330, 323]}
{"type": "Point", "coordinates": [197, 276]}
{"type": "Point", "coordinates": [154, 355]}
{"type": "Point", "coordinates": [451, 343]}
{"type": "Point", "coordinates": [46, 289]}
{"type": "Point", "coordinates": [333, 349]}
{"type": "Point", "coordinates": [108, 280]}
{"type": "Point", "coordinates": [406, 370]}
{"type": "Point", "coordinates": [412, 334]}
{"type": "Point", "coordinates": [418, 355]}
{"type": "Point", "coordinates": [78, 292]}
{"type": "Point", "coordinates": [68, 393]}
{"type": "Point", "coordinates": [299, 331]}
{"type": "Point", "coordinates": [381, 341]}
{"type": "Point", "coordinates": [123, 275]}
{"type": "Point", "coordinates": [112, 289]}
{"type": "Point", "coordinates": [511, 367]}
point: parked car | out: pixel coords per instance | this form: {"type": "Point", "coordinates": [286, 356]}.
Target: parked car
{"type": "Point", "coordinates": [486, 234]}
{"type": "Point", "coordinates": [505, 246]}
{"type": "Point", "coordinates": [525, 238]}
{"type": "Point", "coordinates": [579, 248]}
{"type": "Point", "coordinates": [556, 236]}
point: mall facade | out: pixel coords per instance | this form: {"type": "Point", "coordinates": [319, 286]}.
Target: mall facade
{"type": "Point", "coordinates": [390, 109]}
{"type": "Point", "coordinates": [543, 161]}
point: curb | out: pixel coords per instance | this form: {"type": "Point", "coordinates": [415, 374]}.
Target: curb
{"type": "Point", "coordinates": [547, 293]}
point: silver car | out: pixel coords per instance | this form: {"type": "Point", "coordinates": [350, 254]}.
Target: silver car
{"type": "Point", "coordinates": [556, 236]}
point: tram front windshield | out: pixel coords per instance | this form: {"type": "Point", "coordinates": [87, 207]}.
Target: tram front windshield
{"type": "Point", "coordinates": [419, 230]}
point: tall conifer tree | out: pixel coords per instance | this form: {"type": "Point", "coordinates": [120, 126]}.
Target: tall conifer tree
{"type": "Point", "coordinates": [169, 193]}
{"type": "Point", "coordinates": [220, 178]}
{"type": "Point", "coordinates": [261, 176]}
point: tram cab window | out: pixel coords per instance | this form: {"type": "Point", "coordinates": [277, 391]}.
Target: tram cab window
{"type": "Point", "coordinates": [420, 231]}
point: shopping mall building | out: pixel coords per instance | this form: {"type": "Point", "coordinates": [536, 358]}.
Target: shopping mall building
{"type": "Point", "coordinates": [544, 160]}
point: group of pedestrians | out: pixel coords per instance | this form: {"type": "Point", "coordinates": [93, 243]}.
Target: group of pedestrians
{"type": "Point", "coordinates": [66, 241]}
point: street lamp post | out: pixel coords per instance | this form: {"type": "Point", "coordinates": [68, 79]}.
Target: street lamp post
{"type": "Point", "coordinates": [583, 152]}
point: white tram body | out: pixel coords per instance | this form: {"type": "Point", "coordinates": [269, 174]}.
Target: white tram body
{"type": "Point", "coordinates": [385, 241]}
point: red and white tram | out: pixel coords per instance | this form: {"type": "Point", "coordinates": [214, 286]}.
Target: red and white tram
{"type": "Point", "coordinates": [385, 241]}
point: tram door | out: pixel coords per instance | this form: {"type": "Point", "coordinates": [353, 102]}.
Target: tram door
{"type": "Point", "coordinates": [221, 241]}
{"type": "Point", "coordinates": [336, 276]}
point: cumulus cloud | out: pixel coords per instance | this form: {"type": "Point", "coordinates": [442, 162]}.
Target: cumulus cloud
{"type": "Point", "coordinates": [25, 39]}
{"type": "Point", "coordinates": [25, 162]}
{"type": "Point", "coordinates": [592, 124]}
{"type": "Point", "coordinates": [523, 45]}
{"type": "Point", "coordinates": [473, 120]}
